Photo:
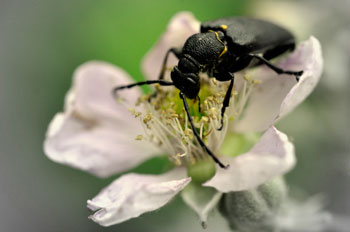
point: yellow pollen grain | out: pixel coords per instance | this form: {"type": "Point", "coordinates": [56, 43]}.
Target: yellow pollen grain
{"type": "Point", "coordinates": [132, 111]}
{"type": "Point", "coordinates": [141, 99]}
{"type": "Point", "coordinates": [188, 131]}
{"type": "Point", "coordinates": [213, 113]}
{"type": "Point", "coordinates": [256, 82]}
{"type": "Point", "coordinates": [158, 87]}
{"type": "Point", "coordinates": [174, 115]}
{"type": "Point", "coordinates": [205, 119]}
{"type": "Point", "coordinates": [139, 137]}
{"type": "Point", "coordinates": [214, 81]}
{"type": "Point", "coordinates": [147, 118]}
{"type": "Point", "coordinates": [246, 77]}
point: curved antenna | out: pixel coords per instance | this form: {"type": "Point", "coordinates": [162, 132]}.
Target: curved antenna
{"type": "Point", "coordinates": [152, 82]}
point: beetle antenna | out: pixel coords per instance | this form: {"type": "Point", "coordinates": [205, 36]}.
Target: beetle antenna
{"type": "Point", "coordinates": [182, 96]}
{"type": "Point", "coordinates": [152, 82]}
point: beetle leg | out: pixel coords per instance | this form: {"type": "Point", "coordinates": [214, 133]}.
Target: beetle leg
{"type": "Point", "coordinates": [195, 132]}
{"type": "Point", "coordinates": [226, 101]}
{"type": "Point", "coordinates": [177, 52]}
{"type": "Point", "coordinates": [278, 70]}
{"type": "Point", "coordinates": [199, 104]}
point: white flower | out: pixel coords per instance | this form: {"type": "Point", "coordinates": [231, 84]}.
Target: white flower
{"type": "Point", "coordinates": [97, 134]}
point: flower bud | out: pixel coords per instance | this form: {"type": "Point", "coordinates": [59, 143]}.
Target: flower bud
{"type": "Point", "coordinates": [254, 210]}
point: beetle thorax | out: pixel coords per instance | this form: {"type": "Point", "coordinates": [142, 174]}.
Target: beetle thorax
{"type": "Point", "coordinates": [205, 48]}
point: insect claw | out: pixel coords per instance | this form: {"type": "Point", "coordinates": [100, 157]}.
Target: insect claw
{"type": "Point", "coordinates": [224, 166]}
{"type": "Point", "coordinates": [298, 75]}
{"type": "Point", "coordinates": [220, 128]}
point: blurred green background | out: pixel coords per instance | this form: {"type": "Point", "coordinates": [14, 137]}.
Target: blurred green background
{"type": "Point", "coordinates": [43, 41]}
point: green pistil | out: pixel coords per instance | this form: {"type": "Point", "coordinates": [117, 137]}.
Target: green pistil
{"type": "Point", "coordinates": [202, 170]}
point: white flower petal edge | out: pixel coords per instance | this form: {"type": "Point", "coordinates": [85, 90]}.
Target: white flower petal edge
{"type": "Point", "coordinates": [272, 156]}
{"type": "Point", "coordinates": [311, 54]}
{"type": "Point", "coordinates": [277, 95]}
{"type": "Point", "coordinates": [95, 133]}
{"type": "Point", "coordinates": [134, 194]}
{"type": "Point", "coordinates": [181, 26]}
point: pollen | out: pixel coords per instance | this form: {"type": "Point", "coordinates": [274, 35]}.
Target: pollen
{"type": "Point", "coordinates": [213, 113]}
{"type": "Point", "coordinates": [166, 124]}
{"type": "Point", "coordinates": [256, 82]}
{"type": "Point", "coordinates": [147, 118]}
{"type": "Point", "coordinates": [139, 137]}
{"type": "Point", "coordinates": [204, 119]}
{"type": "Point", "coordinates": [134, 113]}
{"type": "Point", "coordinates": [189, 133]}
{"type": "Point", "coordinates": [132, 110]}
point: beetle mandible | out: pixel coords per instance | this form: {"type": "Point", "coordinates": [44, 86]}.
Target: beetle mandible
{"type": "Point", "coordinates": [223, 47]}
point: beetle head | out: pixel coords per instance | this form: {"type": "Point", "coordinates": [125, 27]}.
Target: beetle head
{"type": "Point", "coordinates": [186, 82]}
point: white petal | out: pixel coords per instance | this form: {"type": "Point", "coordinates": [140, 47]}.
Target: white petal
{"type": "Point", "coordinates": [134, 194]}
{"type": "Point", "coordinates": [277, 95]}
{"type": "Point", "coordinates": [272, 156]}
{"type": "Point", "coordinates": [95, 133]}
{"type": "Point", "coordinates": [310, 78]}
{"type": "Point", "coordinates": [181, 26]}
{"type": "Point", "coordinates": [201, 199]}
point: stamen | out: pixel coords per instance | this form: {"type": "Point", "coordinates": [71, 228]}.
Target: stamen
{"type": "Point", "coordinates": [147, 118]}
{"type": "Point", "coordinates": [165, 123]}
{"type": "Point", "coordinates": [139, 137]}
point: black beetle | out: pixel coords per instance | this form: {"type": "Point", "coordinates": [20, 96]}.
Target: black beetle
{"type": "Point", "coordinates": [223, 47]}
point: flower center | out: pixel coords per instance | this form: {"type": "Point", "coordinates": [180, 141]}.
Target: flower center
{"type": "Point", "coordinates": [166, 124]}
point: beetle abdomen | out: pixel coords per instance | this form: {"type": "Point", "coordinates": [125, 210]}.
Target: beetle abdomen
{"type": "Point", "coordinates": [249, 35]}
